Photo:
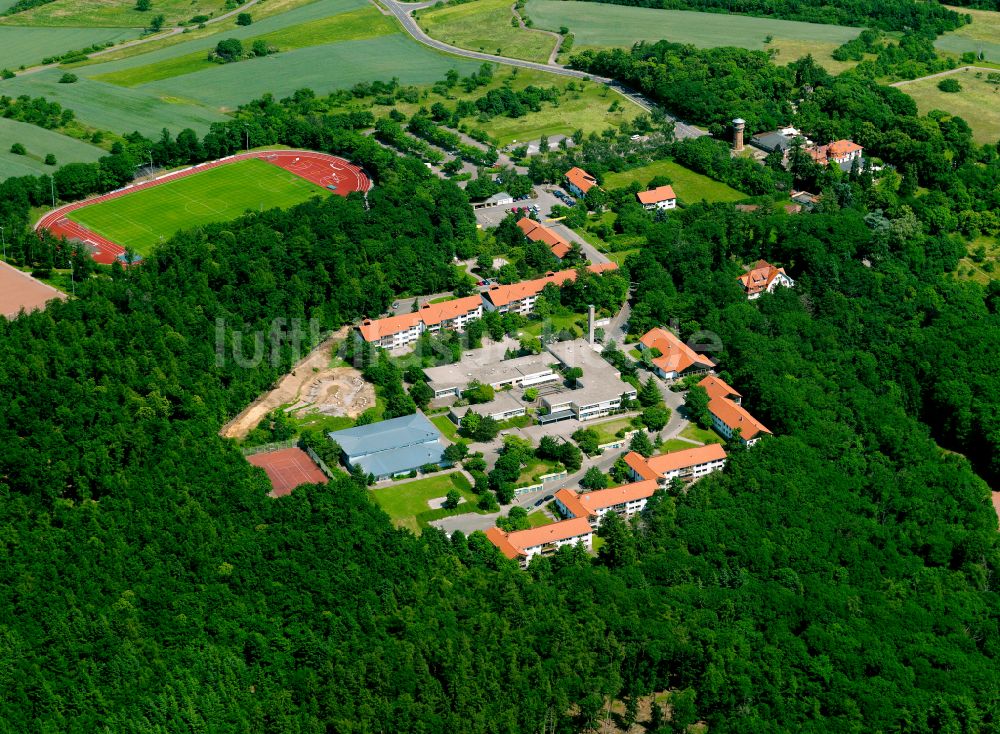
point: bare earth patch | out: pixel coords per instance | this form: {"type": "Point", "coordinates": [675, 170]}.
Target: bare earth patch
{"type": "Point", "coordinates": [311, 387]}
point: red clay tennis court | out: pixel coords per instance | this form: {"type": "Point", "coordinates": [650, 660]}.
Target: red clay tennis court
{"type": "Point", "coordinates": [288, 469]}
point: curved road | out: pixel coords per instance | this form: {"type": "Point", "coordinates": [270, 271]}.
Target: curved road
{"type": "Point", "coordinates": [402, 13]}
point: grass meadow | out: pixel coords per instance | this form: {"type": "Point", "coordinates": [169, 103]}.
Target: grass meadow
{"type": "Point", "coordinates": [982, 35]}
{"type": "Point", "coordinates": [689, 186]}
{"type": "Point", "coordinates": [111, 13]}
{"type": "Point", "coordinates": [403, 502]}
{"type": "Point", "coordinates": [485, 25]}
{"type": "Point", "coordinates": [978, 103]}
{"type": "Point", "coordinates": [141, 220]}
{"type": "Point", "coordinates": [39, 142]}
{"type": "Point", "coordinates": [596, 25]}
{"type": "Point", "coordinates": [28, 46]}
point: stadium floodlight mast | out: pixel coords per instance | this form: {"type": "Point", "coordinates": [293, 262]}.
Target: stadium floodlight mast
{"type": "Point", "coordinates": [246, 131]}
{"type": "Point", "coordinates": [52, 186]}
{"type": "Point", "coordinates": [71, 278]}
{"type": "Point", "coordinates": [3, 239]}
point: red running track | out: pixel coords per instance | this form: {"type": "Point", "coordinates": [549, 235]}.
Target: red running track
{"type": "Point", "coordinates": [340, 176]}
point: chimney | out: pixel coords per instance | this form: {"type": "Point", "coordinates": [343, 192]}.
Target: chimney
{"type": "Point", "coordinates": [738, 124]}
{"type": "Point", "coordinates": [590, 313]}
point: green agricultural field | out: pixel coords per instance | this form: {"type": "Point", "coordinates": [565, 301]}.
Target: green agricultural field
{"type": "Point", "coordinates": [321, 68]}
{"type": "Point", "coordinates": [485, 25]}
{"type": "Point", "coordinates": [28, 46]}
{"type": "Point", "coordinates": [350, 26]}
{"type": "Point", "coordinates": [39, 142]}
{"type": "Point", "coordinates": [116, 13]}
{"type": "Point", "coordinates": [596, 25]}
{"type": "Point", "coordinates": [689, 186]}
{"type": "Point", "coordinates": [980, 36]}
{"type": "Point", "coordinates": [978, 103]}
{"type": "Point", "coordinates": [141, 220]}
{"type": "Point", "coordinates": [403, 502]}
{"type": "Point", "coordinates": [118, 109]}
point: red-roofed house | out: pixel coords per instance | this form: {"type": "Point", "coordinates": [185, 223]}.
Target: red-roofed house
{"type": "Point", "coordinates": [676, 358]}
{"type": "Point", "coordinates": [579, 182]}
{"type": "Point", "coordinates": [764, 277]}
{"type": "Point", "coordinates": [539, 233]}
{"type": "Point", "coordinates": [841, 152]}
{"type": "Point", "coordinates": [398, 331]}
{"type": "Point", "coordinates": [625, 501]}
{"type": "Point", "coordinates": [686, 465]}
{"type": "Point", "coordinates": [520, 297]}
{"type": "Point", "coordinates": [728, 413]}
{"type": "Point", "coordinates": [662, 197]}
{"type": "Point", "coordinates": [524, 545]}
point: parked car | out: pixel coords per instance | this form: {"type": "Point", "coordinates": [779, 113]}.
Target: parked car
{"type": "Point", "coordinates": [547, 497]}
{"type": "Point", "coordinates": [539, 503]}
{"type": "Point", "coordinates": [395, 304]}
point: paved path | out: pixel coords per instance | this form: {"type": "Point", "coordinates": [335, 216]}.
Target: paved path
{"type": "Point", "coordinates": [403, 13]}
{"type": "Point", "coordinates": [146, 39]}
{"type": "Point", "coordinates": [523, 26]}
{"type": "Point", "coordinates": [949, 72]}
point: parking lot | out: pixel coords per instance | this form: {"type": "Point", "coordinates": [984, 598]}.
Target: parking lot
{"type": "Point", "coordinates": [488, 217]}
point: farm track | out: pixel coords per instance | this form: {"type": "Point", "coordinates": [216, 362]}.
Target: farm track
{"type": "Point", "coordinates": [139, 41]}
{"type": "Point", "coordinates": [949, 72]}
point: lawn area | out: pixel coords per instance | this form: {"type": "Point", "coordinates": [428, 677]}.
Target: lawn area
{"type": "Point", "coordinates": [689, 186]}
{"type": "Point", "coordinates": [585, 108]}
{"type": "Point", "coordinates": [620, 256]}
{"type": "Point", "coordinates": [555, 322]}
{"type": "Point", "coordinates": [982, 264]}
{"type": "Point", "coordinates": [216, 195]}
{"type": "Point", "coordinates": [675, 444]}
{"type": "Point", "coordinates": [535, 468]}
{"type": "Point", "coordinates": [608, 429]}
{"type": "Point", "coordinates": [38, 142]}
{"type": "Point", "coordinates": [349, 26]}
{"type": "Point", "coordinates": [28, 46]}
{"type": "Point", "coordinates": [978, 103]}
{"type": "Point", "coordinates": [485, 25]}
{"type": "Point", "coordinates": [700, 434]}
{"type": "Point", "coordinates": [982, 35]}
{"type": "Point", "coordinates": [596, 25]}
{"type": "Point", "coordinates": [446, 426]}
{"type": "Point", "coordinates": [111, 13]}
{"type": "Point", "coordinates": [538, 519]}
{"type": "Point", "coordinates": [403, 502]}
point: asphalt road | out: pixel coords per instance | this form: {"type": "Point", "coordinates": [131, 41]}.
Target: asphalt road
{"type": "Point", "coordinates": [402, 13]}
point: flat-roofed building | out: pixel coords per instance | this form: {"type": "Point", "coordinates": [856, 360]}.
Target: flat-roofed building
{"type": "Point", "coordinates": [523, 545]}
{"type": "Point", "coordinates": [391, 448]}
{"type": "Point", "coordinates": [728, 413]}
{"type": "Point", "coordinates": [489, 367]}
{"type": "Point", "coordinates": [686, 465]}
{"type": "Point", "coordinates": [625, 501]}
{"type": "Point", "coordinates": [598, 393]}
{"type": "Point", "coordinates": [676, 359]}
{"type": "Point", "coordinates": [503, 407]}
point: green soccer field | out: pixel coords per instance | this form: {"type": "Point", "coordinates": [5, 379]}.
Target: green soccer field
{"type": "Point", "coordinates": [141, 220]}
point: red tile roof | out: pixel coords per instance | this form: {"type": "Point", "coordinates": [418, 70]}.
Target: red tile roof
{"type": "Point", "coordinates": [571, 501]}
{"type": "Point", "coordinates": [731, 413]}
{"type": "Point", "coordinates": [602, 498]}
{"type": "Point", "coordinates": [581, 179]}
{"type": "Point", "coordinates": [430, 313]}
{"type": "Point", "coordinates": [657, 466]}
{"type": "Point", "coordinates": [675, 355]}
{"type": "Point", "coordinates": [516, 544]}
{"type": "Point", "coordinates": [539, 233]}
{"type": "Point", "coordinates": [842, 148]}
{"type": "Point", "coordinates": [655, 196]}
{"type": "Point", "coordinates": [759, 277]}
{"type": "Point", "coordinates": [501, 295]}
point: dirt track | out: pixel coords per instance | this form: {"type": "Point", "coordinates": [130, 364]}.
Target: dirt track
{"type": "Point", "coordinates": [311, 387]}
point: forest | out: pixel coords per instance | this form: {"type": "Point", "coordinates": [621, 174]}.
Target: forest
{"type": "Point", "coordinates": [840, 577]}
{"type": "Point", "coordinates": [890, 15]}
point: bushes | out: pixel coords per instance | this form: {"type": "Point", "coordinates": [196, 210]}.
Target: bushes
{"type": "Point", "coordinates": [949, 84]}
{"type": "Point", "coordinates": [18, 149]}
{"type": "Point", "coordinates": [68, 78]}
